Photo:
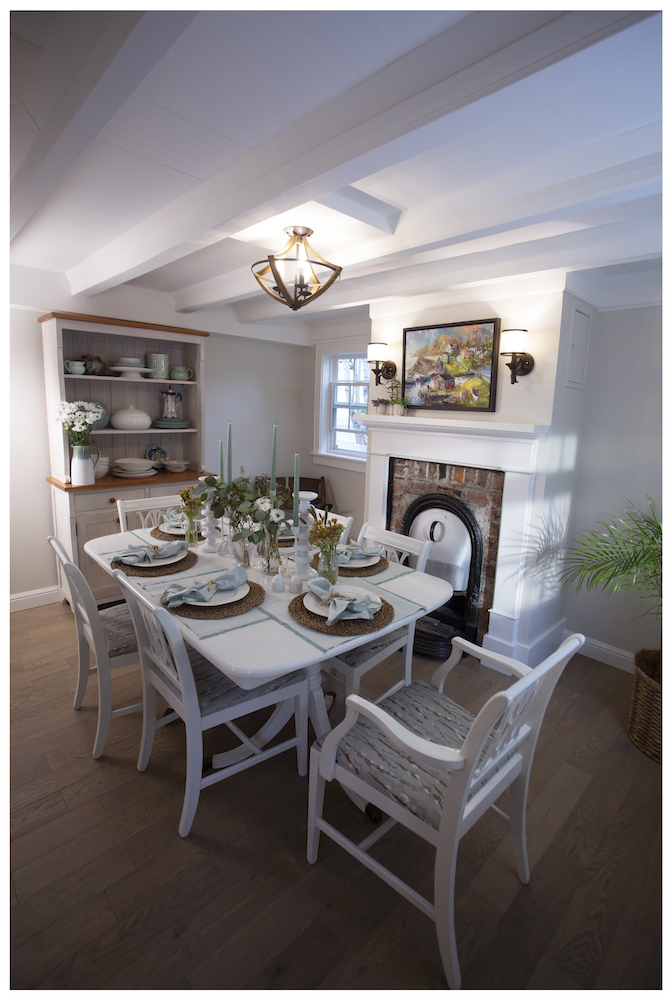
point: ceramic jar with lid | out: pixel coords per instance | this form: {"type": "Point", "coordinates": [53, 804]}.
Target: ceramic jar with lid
{"type": "Point", "coordinates": [93, 364]}
{"type": "Point", "coordinates": [130, 419]}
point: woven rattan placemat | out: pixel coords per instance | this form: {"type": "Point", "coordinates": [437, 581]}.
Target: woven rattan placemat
{"type": "Point", "coordinates": [250, 600]}
{"type": "Point", "coordinates": [189, 560]}
{"type": "Point", "coordinates": [285, 542]}
{"type": "Point", "coordinates": [163, 536]}
{"type": "Point", "coordinates": [350, 626]}
{"type": "Point", "coordinates": [351, 571]}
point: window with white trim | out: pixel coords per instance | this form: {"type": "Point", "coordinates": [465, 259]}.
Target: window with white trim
{"type": "Point", "coordinates": [348, 377]}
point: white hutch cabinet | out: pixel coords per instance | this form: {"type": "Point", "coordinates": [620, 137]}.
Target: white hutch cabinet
{"type": "Point", "coordinates": [85, 512]}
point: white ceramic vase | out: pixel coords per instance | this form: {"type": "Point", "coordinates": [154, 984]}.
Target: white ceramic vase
{"type": "Point", "coordinates": [82, 466]}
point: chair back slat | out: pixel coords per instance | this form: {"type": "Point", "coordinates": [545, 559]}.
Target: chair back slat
{"type": "Point", "coordinates": [512, 719]}
{"type": "Point", "coordinates": [83, 603]}
{"type": "Point", "coordinates": [398, 548]}
{"type": "Point", "coordinates": [161, 647]}
{"type": "Point", "coordinates": [147, 512]}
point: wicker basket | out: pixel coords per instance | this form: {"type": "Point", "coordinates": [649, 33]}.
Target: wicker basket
{"type": "Point", "coordinates": [645, 719]}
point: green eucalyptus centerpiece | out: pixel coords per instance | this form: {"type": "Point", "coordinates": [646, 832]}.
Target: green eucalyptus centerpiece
{"type": "Point", "coordinates": [626, 558]}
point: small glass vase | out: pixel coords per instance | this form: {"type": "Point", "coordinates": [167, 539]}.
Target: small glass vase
{"type": "Point", "coordinates": [272, 558]}
{"type": "Point", "coordinates": [238, 549]}
{"type": "Point", "coordinates": [191, 530]}
{"type": "Point", "coordinates": [327, 566]}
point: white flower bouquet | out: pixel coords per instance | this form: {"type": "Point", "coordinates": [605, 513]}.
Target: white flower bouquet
{"type": "Point", "coordinates": [77, 419]}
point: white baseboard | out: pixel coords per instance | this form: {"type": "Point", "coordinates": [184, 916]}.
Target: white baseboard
{"type": "Point", "coordinates": [614, 657]}
{"type": "Point", "coordinates": [34, 598]}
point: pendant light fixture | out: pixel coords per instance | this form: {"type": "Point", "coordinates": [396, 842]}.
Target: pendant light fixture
{"type": "Point", "coordinates": [297, 274]}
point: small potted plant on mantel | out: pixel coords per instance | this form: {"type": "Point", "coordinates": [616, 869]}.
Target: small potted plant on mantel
{"type": "Point", "coordinates": [627, 556]}
{"type": "Point", "coordinates": [380, 406]}
{"type": "Point", "coordinates": [397, 403]}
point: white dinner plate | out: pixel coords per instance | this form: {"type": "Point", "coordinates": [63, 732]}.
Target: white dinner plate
{"type": "Point", "coordinates": [168, 561]}
{"type": "Point", "coordinates": [223, 597]}
{"type": "Point", "coordinates": [172, 530]}
{"type": "Point", "coordinates": [312, 602]}
{"type": "Point", "coordinates": [360, 563]}
{"type": "Point", "coordinates": [132, 475]}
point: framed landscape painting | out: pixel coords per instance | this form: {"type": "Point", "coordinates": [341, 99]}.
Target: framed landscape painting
{"type": "Point", "coordinates": [452, 366]}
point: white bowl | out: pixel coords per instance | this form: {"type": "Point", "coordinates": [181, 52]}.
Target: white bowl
{"type": "Point", "coordinates": [130, 361]}
{"type": "Point", "coordinates": [175, 465]}
{"type": "Point", "coordinates": [135, 464]}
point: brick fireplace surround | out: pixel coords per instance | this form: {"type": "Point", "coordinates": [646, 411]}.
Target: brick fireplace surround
{"type": "Point", "coordinates": [481, 490]}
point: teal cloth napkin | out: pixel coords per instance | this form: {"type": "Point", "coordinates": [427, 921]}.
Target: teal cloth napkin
{"type": "Point", "coordinates": [147, 553]}
{"type": "Point", "coordinates": [174, 519]}
{"type": "Point", "coordinates": [203, 590]}
{"type": "Point", "coordinates": [342, 607]}
{"type": "Point", "coordinates": [353, 550]}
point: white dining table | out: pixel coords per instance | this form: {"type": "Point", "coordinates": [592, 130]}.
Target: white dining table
{"type": "Point", "coordinates": [267, 641]}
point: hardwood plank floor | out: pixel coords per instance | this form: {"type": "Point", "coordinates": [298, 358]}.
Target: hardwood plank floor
{"type": "Point", "coordinates": [106, 895]}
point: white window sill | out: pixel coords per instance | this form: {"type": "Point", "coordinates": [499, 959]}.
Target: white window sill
{"type": "Point", "coordinates": [340, 461]}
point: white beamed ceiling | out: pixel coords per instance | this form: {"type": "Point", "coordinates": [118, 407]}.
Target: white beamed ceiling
{"type": "Point", "coordinates": [429, 150]}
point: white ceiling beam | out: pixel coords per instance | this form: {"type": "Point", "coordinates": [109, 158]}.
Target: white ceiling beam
{"type": "Point", "coordinates": [126, 47]}
{"type": "Point", "coordinates": [364, 207]}
{"type": "Point", "coordinates": [440, 228]}
{"type": "Point", "coordinates": [353, 135]}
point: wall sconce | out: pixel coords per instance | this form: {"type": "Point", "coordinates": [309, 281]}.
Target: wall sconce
{"type": "Point", "coordinates": [382, 368]}
{"type": "Point", "coordinates": [515, 342]}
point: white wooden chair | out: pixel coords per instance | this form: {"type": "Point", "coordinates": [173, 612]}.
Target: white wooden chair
{"type": "Point", "coordinates": [148, 511]}
{"type": "Point", "coordinates": [430, 765]}
{"type": "Point", "coordinates": [203, 698]}
{"type": "Point", "coordinates": [109, 633]}
{"type": "Point", "coordinates": [353, 665]}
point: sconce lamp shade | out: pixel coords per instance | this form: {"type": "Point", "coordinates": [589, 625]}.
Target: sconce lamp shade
{"type": "Point", "coordinates": [514, 341]}
{"type": "Point", "coordinates": [377, 352]}
{"type": "Point", "coordinates": [297, 274]}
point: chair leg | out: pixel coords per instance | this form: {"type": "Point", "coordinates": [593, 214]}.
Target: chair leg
{"type": "Point", "coordinates": [443, 897]}
{"type": "Point", "coordinates": [352, 681]}
{"type": "Point", "coordinates": [518, 824]}
{"type": "Point", "coordinates": [301, 723]}
{"type": "Point", "coordinates": [148, 723]}
{"type": "Point", "coordinates": [407, 656]}
{"type": "Point", "coordinates": [316, 789]}
{"type": "Point", "coordinates": [104, 710]}
{"type": "Point", "coordinates": [84, 654]}
{"type": "Point", "coordinates": [194, 775]}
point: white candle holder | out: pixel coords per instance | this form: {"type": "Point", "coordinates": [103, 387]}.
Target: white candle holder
{"type": "Point", "coordinates": [208, 529]}
{"type": "Point", "coordinates": [303, 570]}
{"type": "Point", "coordinates": [208, 526]}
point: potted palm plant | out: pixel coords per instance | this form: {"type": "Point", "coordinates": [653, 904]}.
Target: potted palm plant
{"type": "Point", "coordinates": [627, 557]}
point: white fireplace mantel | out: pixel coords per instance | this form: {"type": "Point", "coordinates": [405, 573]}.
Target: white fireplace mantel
{"type": "Point", "coordinates": [505, 443]}
{"type": "Point", "coordinates": [491, 441]}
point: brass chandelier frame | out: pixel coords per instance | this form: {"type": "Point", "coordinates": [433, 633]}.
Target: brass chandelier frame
{"type": "Point", "coordinates": [268, 275]}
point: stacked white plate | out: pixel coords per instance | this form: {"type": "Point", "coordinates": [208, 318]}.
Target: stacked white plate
{"type": "Point", "coordinates": [116, 471]}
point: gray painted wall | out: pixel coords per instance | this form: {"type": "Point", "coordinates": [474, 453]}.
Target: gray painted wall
{"type": "Point", "coordinates": [619, 457]}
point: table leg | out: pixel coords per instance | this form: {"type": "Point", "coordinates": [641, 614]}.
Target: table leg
{"type": "Point", "coordinates": [278, 720]}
